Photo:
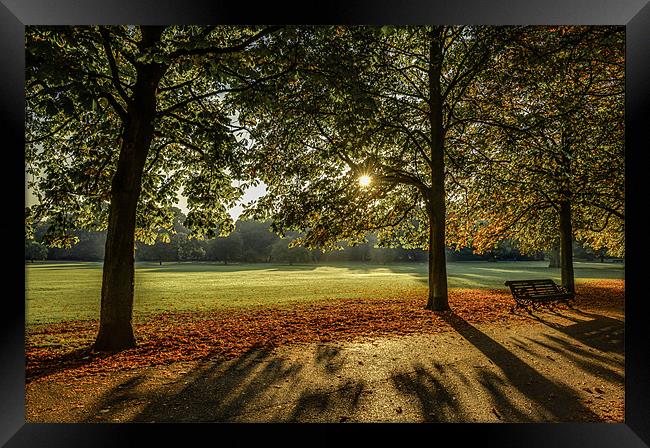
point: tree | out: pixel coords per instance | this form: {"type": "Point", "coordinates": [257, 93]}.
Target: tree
{"type": "Point", "coordinates": [167, 243]}
{"type": "Point", "coordinates": [359, 252]}
{"type": "Point", "coordinates": [256, 239]}
{"type": "Point", "coordinates": [89, 246]}
{"type": "Point", "coordinates": [34, 250]}
{"type": "Point", "coordinates": [226, 249]}
{"type": "Point", "coordinates": [160, 251]}
{"type": "Point", "coordinates": [382, 105]}
{"type": "Point", "coordinates": [191, 249]}
{"type": "Point", "coordinates": [282, 251]}
{"type": "Point", "coordinates": [554, 257]}
{"type": "Point", "coordinates": [119, 119]}
{"type": "Point", "coordinates": [555, 163]}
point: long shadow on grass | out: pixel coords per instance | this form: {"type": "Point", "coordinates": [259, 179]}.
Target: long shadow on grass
{"type": "Point", "coordinates": [356, 267]}
{"type": "Point", "coordinates": [65, 266]}
{"type": "Point", "coordinates": [553, 401]}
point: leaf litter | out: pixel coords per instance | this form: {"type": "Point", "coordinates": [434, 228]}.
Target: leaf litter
{"type": "Point", "coordinates": [61, 351]}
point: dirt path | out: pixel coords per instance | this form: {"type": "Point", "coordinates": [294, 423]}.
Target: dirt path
{"type": "Point", "coordinates": [562, 367]}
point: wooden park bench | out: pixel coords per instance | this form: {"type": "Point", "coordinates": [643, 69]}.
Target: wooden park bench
{"type": "Point", "coordinates": [533, 293]}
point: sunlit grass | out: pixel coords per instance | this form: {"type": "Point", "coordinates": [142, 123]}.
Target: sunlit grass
{"type": "Point", "coordinates": [67, 291]}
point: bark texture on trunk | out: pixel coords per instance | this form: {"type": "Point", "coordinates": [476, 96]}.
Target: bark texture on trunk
{"type": "Point", "coordinates": [566, 246]}
{"type": "Point", "coordinates": [437, 298]}
{"type": "Point", "coordinates": [436, 207]}
{"type": "Point", "coordinates": [115, 327]}
{"type": "Point", "coordinates": [566, 225]}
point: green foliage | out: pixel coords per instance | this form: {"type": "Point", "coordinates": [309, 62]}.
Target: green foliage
{"type": "Point", "coordinates": [283, 252]}
{"type": "Point", "coordinates": [89, 247]}
{"type": "Point", "coordinates": [80, 84]}
{"type": "Point", "coordinates": [531, 115]}
{"type": "Point", "coordinates": [35, 250]}
{"type": "Point", "coordinates": [556, 134]}
{"type": "Point", "coordinates": [226, 249]}
{"type": "Point", "coordinates": [360, 104]}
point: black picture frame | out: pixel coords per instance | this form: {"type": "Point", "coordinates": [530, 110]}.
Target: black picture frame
{"type": "Point", "coordinates": [15, 14]}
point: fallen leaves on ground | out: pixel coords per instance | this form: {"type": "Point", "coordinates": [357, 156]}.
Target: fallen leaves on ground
{"type": "Point", "coordinates": [61, 350]}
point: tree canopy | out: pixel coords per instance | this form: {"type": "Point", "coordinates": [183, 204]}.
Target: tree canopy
{"type": "Point", "coordinates": [79, 87]}
{"type": "Point", "coordinates": [425, 136]}
{"type": "Point", "coordinates": [559, 137]}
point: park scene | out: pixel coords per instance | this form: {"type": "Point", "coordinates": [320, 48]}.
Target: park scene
{"type": "Point", "coordinates": [324, 224]}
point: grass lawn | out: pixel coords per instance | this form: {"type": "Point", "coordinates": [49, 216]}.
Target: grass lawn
{"type": "Point", "coordinates": [58, 292]}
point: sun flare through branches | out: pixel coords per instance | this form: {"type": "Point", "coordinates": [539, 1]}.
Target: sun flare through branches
{"type": "Point", "coordinates": [365, 180]}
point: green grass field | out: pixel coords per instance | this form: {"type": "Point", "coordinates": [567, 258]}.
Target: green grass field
{"type": "Point", "coordinates": [68, 291]}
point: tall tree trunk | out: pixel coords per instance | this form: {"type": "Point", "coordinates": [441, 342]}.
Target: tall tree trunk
{"type": "Point", "coordinates": [566, 226]}
{"type": "Point", "coordinates": [115, 327]}
{"type": "Point", "coordinates": [437, 299]}
{"type": "Point", "coordinates": [436, 210]}
{"type": "Point", "coordinates": [566, 246]}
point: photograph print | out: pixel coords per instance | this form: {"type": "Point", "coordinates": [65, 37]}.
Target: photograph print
{"type": "Point", "coordinates": [324, 223]}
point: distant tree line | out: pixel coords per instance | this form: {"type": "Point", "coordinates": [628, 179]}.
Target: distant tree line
{"type": "Point", "coordinates": [253, 241]}
{"type": "Point", "coordinates": [428, 137]}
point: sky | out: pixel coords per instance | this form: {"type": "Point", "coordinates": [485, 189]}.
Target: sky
{"type": "Point", "coordinates": [251, 194]}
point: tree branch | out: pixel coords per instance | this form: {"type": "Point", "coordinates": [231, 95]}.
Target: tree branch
{"type": "Point", "coordinates": [224, 50]}
{"type": "Point", "coordinates": [106, 42]}
{"type": "Point", "coordinates": [50, 134]}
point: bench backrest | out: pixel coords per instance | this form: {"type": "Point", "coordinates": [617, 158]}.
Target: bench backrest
{"type": "Point", "coordinates": [534, 287]}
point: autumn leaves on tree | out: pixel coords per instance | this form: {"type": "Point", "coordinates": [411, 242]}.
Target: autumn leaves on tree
{"type": "Point", "coordinates": [462, 136]}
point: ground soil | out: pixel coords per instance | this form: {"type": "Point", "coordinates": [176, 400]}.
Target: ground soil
{"type": "Point", "coordinates": [345, 361]}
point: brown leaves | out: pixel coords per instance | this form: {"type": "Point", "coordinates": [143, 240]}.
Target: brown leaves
{"type": "Point", "coordinates": [53, 350]}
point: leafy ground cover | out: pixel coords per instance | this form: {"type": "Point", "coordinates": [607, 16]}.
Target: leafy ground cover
{"type": "Point", "coordinates": [59, 352]}
{"type": "Point", "coordinates": [369, 330]}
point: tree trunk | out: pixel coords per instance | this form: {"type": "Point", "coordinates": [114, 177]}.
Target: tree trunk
{"type": "Point", "coordinates": [554, 258]}
{"type": "Point", "coordinates": [566, 246]}
{"type": "Point", "coordinates": [437, 299]}
{"type": "Point", "coordinates": [566, 226]}
{"type": "Point", "coordinates": [115, 328]}
{"type": "Point", "coordinates": [436, 207]}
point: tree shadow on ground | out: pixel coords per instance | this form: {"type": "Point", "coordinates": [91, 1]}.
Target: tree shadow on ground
{"type": "Point", "coordinates": [587, 360]}
{"type": "Point", "coordinates": [261, 385]}
{"type": "Point", "coordinates": [552, 401]}
{"type": "Point", "coordinates": [436, 401]}
{"type": "Point", "coordinates": [211, 391]}
{"type": "Point", "coordinates": [70, 360]}
{"type": "Point", "coordinates": [313, 405]}
{"type": "Point", "coordinates": [256, 383]}
{"type": "Point", "coordinates": [595, 330]}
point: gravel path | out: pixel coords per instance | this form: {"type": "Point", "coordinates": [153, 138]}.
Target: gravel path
{"type": "Point", "coordinates": [561, 367]}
